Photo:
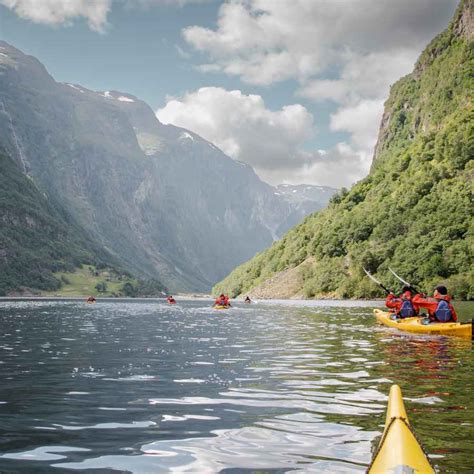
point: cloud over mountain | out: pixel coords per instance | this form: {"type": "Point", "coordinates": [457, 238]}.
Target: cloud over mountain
{"type": "Point", "coordinates": [243, 127]}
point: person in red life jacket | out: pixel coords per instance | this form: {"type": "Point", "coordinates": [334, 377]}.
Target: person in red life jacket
{"type": "Point", "coordinates": [171, 300]}
{"type": "Point", "coordinates": [227, 301]}
{"type": "Point", "coordinates": [222, 300]}
{"type": "Point", "coordinates": [439, 307]}
{"type": "Point", "coordinates": [402, 305]}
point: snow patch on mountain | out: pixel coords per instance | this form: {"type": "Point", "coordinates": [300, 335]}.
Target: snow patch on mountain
{"type": "Point", "coordinates": [75, 87]}
{"type": "Point", "coordinates": [186, 135]}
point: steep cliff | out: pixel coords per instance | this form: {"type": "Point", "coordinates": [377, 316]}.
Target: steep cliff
{"type": "Point", "coordinates": [414, 210]}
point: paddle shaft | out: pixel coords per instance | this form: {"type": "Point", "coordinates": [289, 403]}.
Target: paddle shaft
{"type": "Point", "coordinates": [376, 281]}
{"type": "Point", "coordinates": [403, 281]}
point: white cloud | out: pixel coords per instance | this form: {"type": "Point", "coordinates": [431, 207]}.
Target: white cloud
{"type": "Point", "coordinates": [339, 166]}
{"type": "Point", "coordinates": [242, 126]}
{"type": "Point", "coordinates": [365, 76]}
{"type": "Point", "coordinates": [264, 41]}
{"type": "Point", "coordinates": [272, 141]}
{"type": "Point", "coordinates": [361, 121]}
{"type": "Point", "coordinates": [152, 3]}
{"type": "Point", "coordinates": [56, 12]}
{"type": "Point", "coordinates": [95, 12]}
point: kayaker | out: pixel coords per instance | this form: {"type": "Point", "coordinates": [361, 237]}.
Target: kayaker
{"type": "Point", "coordinates": [222, 300]}
{"type": "Point", "coordinates": [439, 306]}
{"type": "Point", "coordinates": [91, 299]}
{"type": "Point", "coordinates": [402, 305]}
{"type": "Point", "coordinates": [171, 300]}
{"type": "Point", "coordinates": [247, 299]}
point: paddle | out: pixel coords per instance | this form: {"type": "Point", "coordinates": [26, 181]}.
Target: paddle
{"type": "Point", "coordinates": [405, 282]}
{"type": "Point", "coordinates": [376, 281]}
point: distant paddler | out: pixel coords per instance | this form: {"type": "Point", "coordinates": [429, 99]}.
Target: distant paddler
{"type": "Point", "coordinates": [222, 302]}
{"type": "Point", "coordinates": [247, 300]}
{"type": "Point", "coordinates": [91, 300]}
{"type": "Point", "coordinates": [170, 300]}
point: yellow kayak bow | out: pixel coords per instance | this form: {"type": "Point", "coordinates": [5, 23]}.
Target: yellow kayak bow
{"type": "Point", "coordinates": [399, 451]}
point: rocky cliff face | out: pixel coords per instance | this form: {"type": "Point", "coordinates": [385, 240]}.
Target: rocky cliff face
{"type": "Point", "coordinates": [164, 202]}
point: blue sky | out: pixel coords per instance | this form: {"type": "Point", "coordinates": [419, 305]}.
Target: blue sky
{"type": "Point", "coordinates": [335, 59]}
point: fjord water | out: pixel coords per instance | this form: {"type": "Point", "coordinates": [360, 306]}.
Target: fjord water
{"type": "Point", "coordinates": [140, 386]}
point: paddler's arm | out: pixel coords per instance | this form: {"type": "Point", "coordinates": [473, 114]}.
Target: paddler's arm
{"type": "Point", "coordinates": [391, 301]}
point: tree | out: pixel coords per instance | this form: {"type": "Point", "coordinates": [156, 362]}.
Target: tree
{"type": "Point", "coordinates": [101, 287]}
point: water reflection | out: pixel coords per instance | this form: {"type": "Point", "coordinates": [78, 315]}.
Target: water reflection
{"type": "Point", "coordinates": [145, 387]}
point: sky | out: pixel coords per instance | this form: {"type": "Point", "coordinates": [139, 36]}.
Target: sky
{"type": "Point", "coordinates": [295, 88]}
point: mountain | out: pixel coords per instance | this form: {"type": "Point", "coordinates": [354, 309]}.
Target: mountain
{"type": "Point", "coordinates": [414, 212]}
{"type": "Point", "coordinates": [35, 239]}
{"type": "Point", "coordinates": [160, 201]}
{"type": "Point", "coordinates": [304, 199]}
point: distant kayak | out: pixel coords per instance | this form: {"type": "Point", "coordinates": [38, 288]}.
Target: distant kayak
{"type": "Point", "coordinates": [220, 306]}
{"type": "Point", "coordinates": [399, 449]}
{"type": "Point", "coordinates": [418, 325]}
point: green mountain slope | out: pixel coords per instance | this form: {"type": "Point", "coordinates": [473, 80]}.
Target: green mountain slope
{"type": "Point", "coordinates": [413, 212]}
{"type": "Point", "coordinates": [43, 250]}
{"type": "Point", "coordinates": [35, 240]}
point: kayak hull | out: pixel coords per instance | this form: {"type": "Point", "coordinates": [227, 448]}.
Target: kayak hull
{"type": "Point", "coordinates": [399, 450]}
{"type": "Point", "coordinates": [218, 306]}
{"type": "Point", "coordinates": [414, 325]}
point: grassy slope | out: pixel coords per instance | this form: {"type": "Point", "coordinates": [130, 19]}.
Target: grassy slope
{"type": "Point", "coordinates": [413, 212]}
{"type": "Point", "coordinates": [83, 281]}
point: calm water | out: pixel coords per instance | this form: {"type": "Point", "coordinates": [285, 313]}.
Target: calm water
{"type": "Point", "coordinates": [144, 387]}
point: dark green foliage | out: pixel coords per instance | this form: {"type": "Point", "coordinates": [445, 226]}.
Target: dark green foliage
{"type": "Point", "coordinates": [129, 290]}
{"type": "Point", "coordinates": [101, 287]}
{"type": "Point", "coordinates": [150, 288]}
{"type": "Point", "coordinates": [414, 212]}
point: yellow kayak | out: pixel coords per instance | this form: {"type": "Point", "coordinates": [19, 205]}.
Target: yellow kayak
{"type": "Point", "coordinates": [399, 451]}
{"type": "Point", "coordinates": [416, 325]}
{"type": "Point", "coordinates": [220, 306]}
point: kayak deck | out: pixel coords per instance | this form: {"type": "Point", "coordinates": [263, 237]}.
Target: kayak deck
{"type": "Point", "coordinates": [399, 450]}
{"type": "Point", "coordinates": [219, 306]}
{"type": "Point", "coordinates": [415, 325]}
